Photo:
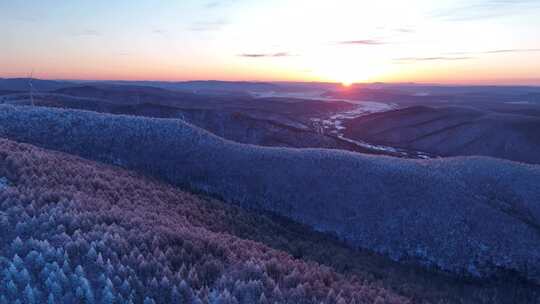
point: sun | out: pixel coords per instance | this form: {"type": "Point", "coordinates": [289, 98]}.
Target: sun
{"type": "Point", "coordinates": [348, 70]}
{"type": "Point", "coordinates": [347, 76]}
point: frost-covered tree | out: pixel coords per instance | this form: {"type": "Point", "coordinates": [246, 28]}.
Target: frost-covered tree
{"type": "Point", "coordinates": [103, 235]}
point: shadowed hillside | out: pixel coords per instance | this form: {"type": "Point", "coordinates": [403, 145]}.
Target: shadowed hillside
{"type": "Point", "coordinates": [134, 95]}
{"type": "Point", "coordinates": [244, 120]}
{"type": "Point", "coordinates": [476, 216]}
{"type": "Point", "coordinates": [251, 126]}
{"type": "Point", "coordinates": [452, 131]}
{"type": "Point", "coordinates": [504, 129]}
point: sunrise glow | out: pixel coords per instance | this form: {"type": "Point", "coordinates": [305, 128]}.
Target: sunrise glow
{"type": "Point", "coordinates": [345, 41]}
{"type": "Point", "coordinates": [269, 151]}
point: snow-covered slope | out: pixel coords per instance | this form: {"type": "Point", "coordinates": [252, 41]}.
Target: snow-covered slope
{"type": "Point", "coordinates": [472, 215]}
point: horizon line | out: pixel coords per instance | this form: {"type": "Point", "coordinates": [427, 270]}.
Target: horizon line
{"type": "Point", "coordinates": [472, 83]}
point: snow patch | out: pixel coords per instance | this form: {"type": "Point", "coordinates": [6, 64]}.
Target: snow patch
{"type": "Point", "coordinates": [335, 123]}
{"type": "Point", "coordinates": [4, 183]}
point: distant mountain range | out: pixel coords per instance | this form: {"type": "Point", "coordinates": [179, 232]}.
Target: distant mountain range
{"type": "Point", "coordinates": [222, 87]}
{"type": "Point", "coordinates": [22, 84]}
{"type": "Point", "coordinates": [422, 124]}
{"type": "Point", "coordinates": [204, 86]}
{"type": "Point", "coordinates": [437, 89]}
{"type": "Point", "coordinates": [242, 119]}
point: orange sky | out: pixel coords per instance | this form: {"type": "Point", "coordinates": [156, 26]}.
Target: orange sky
{"type": "Point", "coordinates": [447, 41]}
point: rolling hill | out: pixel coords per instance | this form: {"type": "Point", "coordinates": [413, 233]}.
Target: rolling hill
{"type": "Point", "coordinates": [252, 121]}
{"type": "Point", "coordinates": [74, 231]}
{"type": "Point", "coordinates": [452, 131]}
{"type": "Point", "coordinates": [473, 216]}
{"type": "Point", "coordinates": [22, 84]}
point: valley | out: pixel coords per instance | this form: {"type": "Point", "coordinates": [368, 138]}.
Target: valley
{"type": "Point", "coordinates": [332, 168]}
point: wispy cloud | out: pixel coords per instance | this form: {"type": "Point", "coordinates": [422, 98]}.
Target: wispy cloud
{"type": "Point", "coordinates": [405, 30]}
{"type": "Point", "coordinates": [438, 58]}
{"type": "Point", "coordinates": [212, 4]}
{"type": "Point", "coordinates": [217, 3]}
{"type": "Point", "coordinates": [158, 31]}
{"type": "Point", "coordinates": [264, 55]}
{"type": "Point", "coordinates": [500, 51]}
{"type": "Point", "coordinates": [208, 25]}
{"type": "Point", "coordinates": [484, 9]}
{"type": "Point", "coordinates": [363, 42]}
{"type": "Point", "coordinates": [511, 51]}
{"type": "Point", "coordinates": [455, 56]}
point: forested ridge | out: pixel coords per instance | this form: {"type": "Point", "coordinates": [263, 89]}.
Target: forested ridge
{"type": "Point", "coordinates": [75, 231]}
{"type": "Point", "coordinates": [441, 213]}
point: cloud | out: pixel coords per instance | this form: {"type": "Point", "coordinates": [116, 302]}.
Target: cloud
{"type": "Point", "coordinates": [363, 42]}
{"type": "Point", "coordinates": [485, 9]}
{"type": "Point", "coordinates": [158, 31]}
{"type": "Point", "coordinates": [405, 30]}
{"type": "Point", "coordinates": [213, 7]}
{"type": "Point", "coordinates": [208, 25]}
{"type": "Point", "coordinates": [218, 3]}
{"type": "Point", "coordinates": [212, 4]}
{"type": "Point", "coordinates": [455, 56]}
{"type": "Point", "coordinates": [511, 51]}
{"type": "Point", "coordinates": [439, 58]}
{"type": "Point", "coordinates": [262, 55]}
{"type": "Point", "coordinates": [500, 51]}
